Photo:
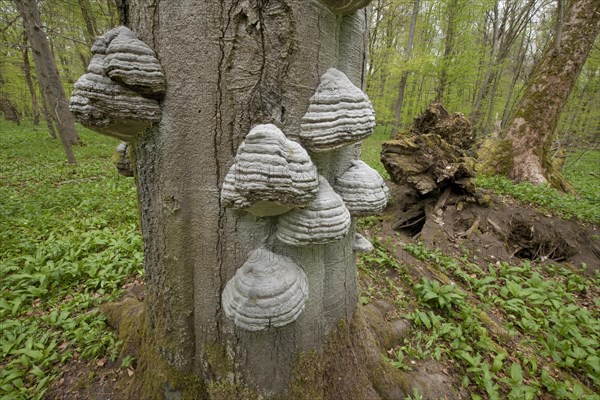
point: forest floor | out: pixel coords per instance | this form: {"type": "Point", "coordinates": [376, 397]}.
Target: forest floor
{"type": "Point", "coordinates": [500, 301]}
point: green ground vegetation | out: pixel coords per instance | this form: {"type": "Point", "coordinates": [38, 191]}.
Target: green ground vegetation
{"type": "Point", "coordinates": [510, 331]}
{"type": "Point", "coordinates": [69, 240]}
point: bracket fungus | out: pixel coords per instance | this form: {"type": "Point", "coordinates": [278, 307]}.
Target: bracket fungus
{"type": "Point", "coordinates": [343, 7]}
{"type": "Point", "coordinates": [133, 63]}
{"type": "Point", "coordinates": [104, 105]}
{"type": "Point", "coordinates": [339, 114]}
{"type": "Point", "coordinates": [268, 291]}
{"type": "Point", "coordinates": [326, 219]}
{"type": "Point", "coordinates": [361, 244]}
{"type": "Point", "coordinates": [121, 160]}
{"type": "Point", "coordinates": [270, 175]}
{"type": "Point", "coordinates": [362, 189]}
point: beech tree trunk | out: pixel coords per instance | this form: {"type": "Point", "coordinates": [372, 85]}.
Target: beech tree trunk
{"type": "Point", "coordinates": [531, 130]}
{"type": "Point", "coordinates": [48, 76]}
{"type": "Point", "coordinates": [230, 65]}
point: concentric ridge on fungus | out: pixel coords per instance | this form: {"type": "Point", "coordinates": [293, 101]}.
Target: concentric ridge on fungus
{"type": "Point", "coordinates": [339, 114]}
{"type": "Point", "coordinates": [133, 63]}
{"type": "Point", "coordinates": [270, 175]}
{"type": "Point", "coordinates": [362, 189]}
{"type": "Point", "coordinates": [268, 291]}
{"type": "Point", "coordinates": [324, 220]}
{"type": "Point", "coordinates": [106, 106]}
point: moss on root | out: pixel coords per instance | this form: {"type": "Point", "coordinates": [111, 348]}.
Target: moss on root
{"type": "Point", "coordinates": [351, 364]}
{"type": "Point", "coordinates": [154, 378]}
{"type": "Point", "coordinates": [495, 156]}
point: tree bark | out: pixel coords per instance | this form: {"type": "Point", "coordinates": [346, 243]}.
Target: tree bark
{"type": "Point", "coordinates": [35, 110]}
{"type": "Point", "coordinates": [48, 76]}
{"type": "Point", "coordinates": [532, 128]}
{"type": "Point", "coordinates": [48, 116]}
{"type": "Point", "coordinates": [230, 65]}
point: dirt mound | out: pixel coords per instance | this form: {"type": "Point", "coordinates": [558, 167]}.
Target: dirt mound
{"type": "Point", "coordinates": [500, 229]}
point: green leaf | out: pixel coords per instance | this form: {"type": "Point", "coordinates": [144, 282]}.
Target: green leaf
{"type": "Point", "coordinates": [498, 362]}
{"type": "Point", "coordinates": [516, 373]}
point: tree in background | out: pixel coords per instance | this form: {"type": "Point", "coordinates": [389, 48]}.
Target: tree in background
{"type": "Point", "coordinates": [406, 59]}
{"type": "Point", "coordinates": [531, 131]}
{"type": "Point", "coordinates": [48, 76]}
{"type": "Point", "coordinates": [69, 29]}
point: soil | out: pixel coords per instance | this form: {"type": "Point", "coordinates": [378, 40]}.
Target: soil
{"type": "Point", "coordinates": [493, 228]}
{"type": "Point", "coordinates": [487, 227]}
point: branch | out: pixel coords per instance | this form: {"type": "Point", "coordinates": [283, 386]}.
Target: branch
{"type": "Point", "coordinates": [8, 25]}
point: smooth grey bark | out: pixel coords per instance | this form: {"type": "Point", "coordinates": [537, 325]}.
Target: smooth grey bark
{"type": "Point", "coordinates": [50, 122]}
{"type": "Point", "coordinates": [231, 65]}
{"type": "Point", "coordinates": [48, 77]}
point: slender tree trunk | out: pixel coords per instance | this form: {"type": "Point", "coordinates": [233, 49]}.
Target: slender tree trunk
{"type": "Point", "coordinates": [492, 105]}
{"type": "Point", "coordinates": [404, 78]}
{"type": "Point", "coordinates": [48, 76]}
{"type": "Point", "coordinates": [29, 80]}
{"type": "Point", "coordinates": [517, 73]}
{"type": "Point", "coordinates": [448, 49]}
{"type": "Point", "coordinates": [476, 112]}
{"type": "Point", "coordinates": [88, 18]}
{"type": "Point", "coordinates": [231, 65]}
{"type": "Point", "coordinates": [532, 128]}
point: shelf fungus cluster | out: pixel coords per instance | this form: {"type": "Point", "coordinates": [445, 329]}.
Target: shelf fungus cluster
{"type": "Point", "coordinates": [361, 244]}
{"type": "Point", "coordinates": [118, 94]}
{"type": "Point", "coordinates": [339, 114]}
{"type": "Point", "coordinates": [121, 160]}
{"type": "Point", "coordinates": [268, 291]}
{"type": "Point", "coordinates": [362, 189]}
{"type": "Point", "coordinates": [325, 220]}
{"type": "Point", "coordinates": [271, 174]}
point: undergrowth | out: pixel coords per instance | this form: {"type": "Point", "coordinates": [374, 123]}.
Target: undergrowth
{"type": "Point", "coordinates": [585, 206]}
{"type": "Point", "coordinates": [512, 331]}
{"type": "Point", "coordinates": [68, 242]}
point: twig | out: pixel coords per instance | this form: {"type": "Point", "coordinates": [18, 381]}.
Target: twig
{"type": "Point", "coordinates": [495, 227]}
{"type": "Point", "coordinates": [409, 224]}
{"type": "Point", "coordinates": [473, 227]}
{"type": "Point", "coordinates": [442, 200]}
